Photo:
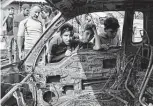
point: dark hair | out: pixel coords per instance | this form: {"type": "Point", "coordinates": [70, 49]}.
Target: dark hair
{"type": "Point", "coordinates": [89, 27]}
{"type": "Point", "coordinates": [66, 27]}
{"type": "Point", "coordinates": [111, 23]}
{"type": "Point", "coordinates": [11, 8]}
{"type": "Point", "coordinates": [47, 9]}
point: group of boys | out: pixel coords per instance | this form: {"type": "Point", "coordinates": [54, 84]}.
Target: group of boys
{"type": "Point", "coordinates": [27, 29]}
{"type": "Point", "coordinates": [66, 41]}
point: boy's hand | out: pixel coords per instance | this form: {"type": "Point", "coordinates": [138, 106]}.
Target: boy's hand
{"type": "Point", "coordinates": [68, 53]}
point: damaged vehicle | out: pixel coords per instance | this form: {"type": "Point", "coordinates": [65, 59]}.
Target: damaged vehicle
{"type": "Point", "coordinates": [120, 76]}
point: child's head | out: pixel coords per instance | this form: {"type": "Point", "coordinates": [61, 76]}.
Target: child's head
{"type": "Point", "coordinates": [88, 33]}
{"type": "Point", "coordinates": [111, 27]}
{"type": "Point", "coordinates": [26, 9]}
{"type": "Point", "coordinates": [46, 12]}
{"type": "Point", "coordinates": [66, 32]}
{"type": "Point", "coordinates": [11, 10]}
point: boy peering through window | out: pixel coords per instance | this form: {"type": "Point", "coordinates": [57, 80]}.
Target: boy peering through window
{"type": "Point", "coordinates": [110, 37]}
{"type": "Point", "coordinates": [60, 45]}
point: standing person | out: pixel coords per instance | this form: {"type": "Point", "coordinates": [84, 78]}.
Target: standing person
{"type": "Point", "coordinates": [46, 14]}
{"type": "Point", "coordinates": [17, 19]}
{"type": "Point", "coordinates": [8, 22]}
{"type": "Point", "coordinates": [30, 30]}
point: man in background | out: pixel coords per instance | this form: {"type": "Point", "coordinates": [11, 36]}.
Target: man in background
{"type": "Point", "coordinates": [8, 22]}
{"type": "Point", "coordinates": [46, 14]}
{"type": "Point", "coordinates": [17, 19]}
{"type": "Point", "coordinates": [30, 30]}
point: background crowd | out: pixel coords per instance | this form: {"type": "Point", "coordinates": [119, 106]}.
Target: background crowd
{"type": "Point", "coordinates": [32, 21]}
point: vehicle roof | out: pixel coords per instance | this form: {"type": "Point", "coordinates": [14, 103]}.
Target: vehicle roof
{"type": "Point", "coordinates": [71, 8]}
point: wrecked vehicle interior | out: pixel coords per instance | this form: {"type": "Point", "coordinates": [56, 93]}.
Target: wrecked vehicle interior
{"type": "Point", "coordinates": [120, 76]}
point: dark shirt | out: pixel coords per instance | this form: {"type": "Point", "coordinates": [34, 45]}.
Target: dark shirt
{"type": "Point", "coordinates": [55, 44]}
{"type": "Point", "coordinates": [57, 48]}
{"type": "Point", "coordinates": [9, 26]}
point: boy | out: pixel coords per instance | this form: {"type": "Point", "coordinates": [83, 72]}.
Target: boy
{"type": "Point", "coordinates": [60, 44]}
{"type": "Point", "coordinates": [110, 36]}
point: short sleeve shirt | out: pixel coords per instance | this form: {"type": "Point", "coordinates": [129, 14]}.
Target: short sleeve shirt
{"type": "Point", "coordinates": [33, 29]}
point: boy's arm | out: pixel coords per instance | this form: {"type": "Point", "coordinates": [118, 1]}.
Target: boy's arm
{"type": "Point", "coordinates": [49, 50]}
{"type": "Point", "coordinates": [97, 45]}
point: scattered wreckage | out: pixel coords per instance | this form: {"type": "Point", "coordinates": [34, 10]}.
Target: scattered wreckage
{"type": "Point", "coordinates": [119, 76]}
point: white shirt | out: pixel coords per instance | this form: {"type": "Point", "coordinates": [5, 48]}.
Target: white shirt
{"type": "Point", "coordinates": [31, 29]}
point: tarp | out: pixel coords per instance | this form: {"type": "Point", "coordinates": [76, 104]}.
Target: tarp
{"type": "Point", "coordinates": [7, 2]}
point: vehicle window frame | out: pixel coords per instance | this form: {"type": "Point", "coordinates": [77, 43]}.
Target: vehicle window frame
{"type": "Point", "coordinates": [137, 43]}
{"type": "Point", "coordinates": [69, 20]}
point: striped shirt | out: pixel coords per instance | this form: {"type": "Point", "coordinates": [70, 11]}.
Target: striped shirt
{"type": "Point", "coordinates": [31, 30]}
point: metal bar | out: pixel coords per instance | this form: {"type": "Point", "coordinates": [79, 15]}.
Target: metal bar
{"type": "Point", "coordinates": [119, 98]}
{"type": "Point", "coordinates": [10, 65]}
{"type": "Point", "coordinates": [144, 87]}
{"type": "Point", "coordinates": [9, 94]}
{"type": "Point", "coordinates": [150, 60]}
{"type": "Point", "coordinates": [93, 82]}
{"type": "Point", "coordinates": [126, 82]}
{"type": "Point", "coordinates": [146, 79]}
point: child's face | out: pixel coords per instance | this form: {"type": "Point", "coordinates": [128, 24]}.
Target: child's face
{"type": "Point", "coordinates": [85, 36]}
{"type": "Point", "coordinates": [11, 11]}
{"type": "Point", "coordinates": [111, 33]}
{"type": "Point", "coordinates": [66, 36]}
{"type": "Point", "coordinates": [26, 12]}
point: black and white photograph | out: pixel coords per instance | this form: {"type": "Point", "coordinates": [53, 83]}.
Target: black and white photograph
{"type": "Point", "coordinates": [76, 52]}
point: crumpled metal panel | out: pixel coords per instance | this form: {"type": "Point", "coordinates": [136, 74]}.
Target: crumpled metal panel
{"type": "Point", "coordinates": [71, 8]}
